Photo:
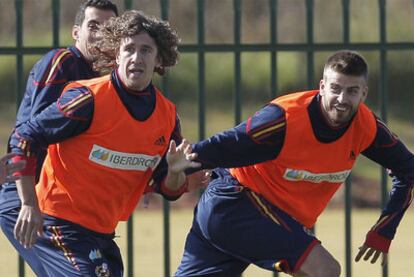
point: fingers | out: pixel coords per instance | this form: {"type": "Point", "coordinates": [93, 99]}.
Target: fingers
{"type": "Point", "coordinates": [194, 164]}
{"type": "Point", "coordinates": [376, 256]}
{"type": "Point", "coordinates": [369, 254]}
{"type": "Point", "coordinates": [191, 156]}
{"type": "Point", "coordinates": [28, 227]}
{"type": "Point", "coordinates": [361, 252]}
{"type": "Point", "coordinates": [13, 167]}
{"type": "Point", "coordinates": [173, 147]}
{"type": "Point", "coordinates": [20, 230]}
{"type": "Point", "coordinates": [17, 229]}
{"type": "Point", "coordinates": [31, 236]}
{"type": "Point", "coordinates": [187, 149]}
{"type": "Point", "coordinates": [6, 157]}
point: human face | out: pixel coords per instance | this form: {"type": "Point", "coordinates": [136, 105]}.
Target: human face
{"type": "Point", "coordinates": [137, 59]}
{"type": "Point", "coordinates": [85, 34]}
{"type": "Point", "coordinates": [341, 96]}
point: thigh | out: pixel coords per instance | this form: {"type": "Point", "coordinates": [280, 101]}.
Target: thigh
{"type": "Point", "coordinates": [66, 249]}
{"type": "Point", "coordinates": [201, 258]}
{"type": "Point", "coordinates": [112, 256]}
{"type": "Point", "coordinates": [7, 222]}
{"type": "Point", "coordinates": [247, 227]}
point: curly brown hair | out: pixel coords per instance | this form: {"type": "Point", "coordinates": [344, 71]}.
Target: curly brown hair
{"type": "Point", "coordinates": [130, 24]}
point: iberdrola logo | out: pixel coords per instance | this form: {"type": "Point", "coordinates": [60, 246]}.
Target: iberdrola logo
{"type": "Point", "coordinates": [100, 154]}
{"type": "Point", "coordinates": [294, 174]}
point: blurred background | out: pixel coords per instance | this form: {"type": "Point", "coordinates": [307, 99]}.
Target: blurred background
{"type": "Point", "coordinates": [236, 55]}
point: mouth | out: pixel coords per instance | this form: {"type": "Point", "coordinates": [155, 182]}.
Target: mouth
{"type": "Point", "coordinates": [341, 109]}
{"type": "Point", "coordinates": [135, 71]}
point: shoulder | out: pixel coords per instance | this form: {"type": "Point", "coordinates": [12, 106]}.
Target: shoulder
{"type": "Point", "coordinates": [54, 67]}
{"type": "Point", "coordinates": [99, 82]}
{"type": "Point", "coordinates": [58, 56]}
{"type": "Point", "coordinates": [161, 97]}
{"type": "Point", "coordinates": [366, 119]}
{"type": "Point", "coordinates": [296, 98]}
{"type": "Point", "coordinates": [268, 120]}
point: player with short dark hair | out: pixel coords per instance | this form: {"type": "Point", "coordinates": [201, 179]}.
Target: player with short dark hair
{"type": "Point", "coordinates": [103, 5]}
{"type": "Point", "coordinates": [44, 86]}
{"type": "Point", "coordinates": [286, 162]}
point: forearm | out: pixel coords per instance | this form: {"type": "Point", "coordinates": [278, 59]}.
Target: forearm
{"type": "Point", "coordinates": [175, 181]}
{"type": "Point", "coordinates": [399, 201]}
{"type": "Point", "coordinates": [26, 190]}
{"type": "Point", "coordinates": [256, 140]}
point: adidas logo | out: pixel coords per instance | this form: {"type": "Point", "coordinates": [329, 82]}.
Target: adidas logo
{"type": "Point", "coordinates": [160, 141]}
{"type": "Point", "coordinates": [352, 156]}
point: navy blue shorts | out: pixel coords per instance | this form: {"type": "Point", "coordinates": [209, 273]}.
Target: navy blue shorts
{"type": "Point", "coordinates": [234, 227]}
{"type": "Point", "coordinates": [65, 249]}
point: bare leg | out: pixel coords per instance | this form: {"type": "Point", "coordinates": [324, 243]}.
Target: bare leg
{"type": "Point", "coordinates": [319, 263]}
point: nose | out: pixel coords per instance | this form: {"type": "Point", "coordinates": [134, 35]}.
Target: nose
{"type": "Point", "coordinates": [136, 57]}
{"type": "Point", "coordinates": [341, 97]}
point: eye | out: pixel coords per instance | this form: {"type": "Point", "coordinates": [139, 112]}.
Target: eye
{"type": "Point", "coordinates": [146, 50]}
{"type": "Point", "coordinates": [335, 89]}
{"type": "Point", "coordinates": [93, 27]}
{"type": "Point", "coordinates": [353, 91]}
{"type": "Point", "coordinates": [129, 49]}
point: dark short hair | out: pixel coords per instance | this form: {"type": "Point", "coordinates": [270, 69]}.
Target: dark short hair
{"type": "Point", "coordinates": [129, 24]}
{"type": "Point", "coordinates": [105, 5]}
{"type": "Point", "coordinates": [347, 62]}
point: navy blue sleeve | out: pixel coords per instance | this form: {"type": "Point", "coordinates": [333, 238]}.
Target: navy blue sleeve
{"type": "Point", "coordinates": [45, 83]}
{"type": "Point", "coordinates": [256, 140]}
{"type": "Point", "coordinates": [69, 116]}
{"type": "Point", "coordinates": [161, 171]}
{"type": "Point", "coordinates": [388, 151]}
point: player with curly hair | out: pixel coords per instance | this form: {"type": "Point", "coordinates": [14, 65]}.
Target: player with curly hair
{"type": "Point", "coordinates": [107, 138]}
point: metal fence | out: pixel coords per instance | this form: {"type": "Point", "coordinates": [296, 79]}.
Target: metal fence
{"type": "Point", "coordinates": [201, 48]}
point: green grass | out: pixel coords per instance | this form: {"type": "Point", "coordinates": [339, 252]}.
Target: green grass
{"type": "Point", "coordinates": [148, 244]}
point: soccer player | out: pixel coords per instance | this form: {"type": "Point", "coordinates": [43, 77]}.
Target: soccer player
{"type": "Point", "coordinates": [7, 169]}
{"type": "Point", "coordinates": [286, 162]}
{"type": "Point", "coordinates": [44, 85]}
{"type": "Point", "coordinates": [106, 138]}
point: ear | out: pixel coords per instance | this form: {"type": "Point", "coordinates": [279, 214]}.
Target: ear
{"type": "Point", "coordinates": [117, 58]}
{"type": "Point", "coordinates": [158, 62]}
{"type": "Point", "coordinates": [75, 32]}
{"type": "Point", "coordinates": [364, 93]}
{"type": "Point", "coordinates": [321, 87]}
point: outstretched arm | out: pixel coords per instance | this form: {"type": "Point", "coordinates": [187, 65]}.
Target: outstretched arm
{"type": "Point", "coordinates": [391, 153]}
{"type": "Point", "coordinates": [258, 139]}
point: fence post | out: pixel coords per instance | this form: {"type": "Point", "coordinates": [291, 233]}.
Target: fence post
{"type": "Point", "coordinates": [383, 87]}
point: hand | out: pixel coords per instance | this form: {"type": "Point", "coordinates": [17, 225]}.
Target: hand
{"type": "Point", "coordinates": [180, 157]}
{"type": "Point", "coordinates": [374, 244]}
{"type": "Point", "coordinates": [7, 170]}
{"type": "Point", "coordinates": [369, 253]}
{"type": "Point", "coordinates": [199, 180]}
{"type": "Point", "coordinates": [29, 225]}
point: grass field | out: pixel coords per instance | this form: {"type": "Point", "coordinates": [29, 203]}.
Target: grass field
{"type": "Point", "coordinates": [148, 255]}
